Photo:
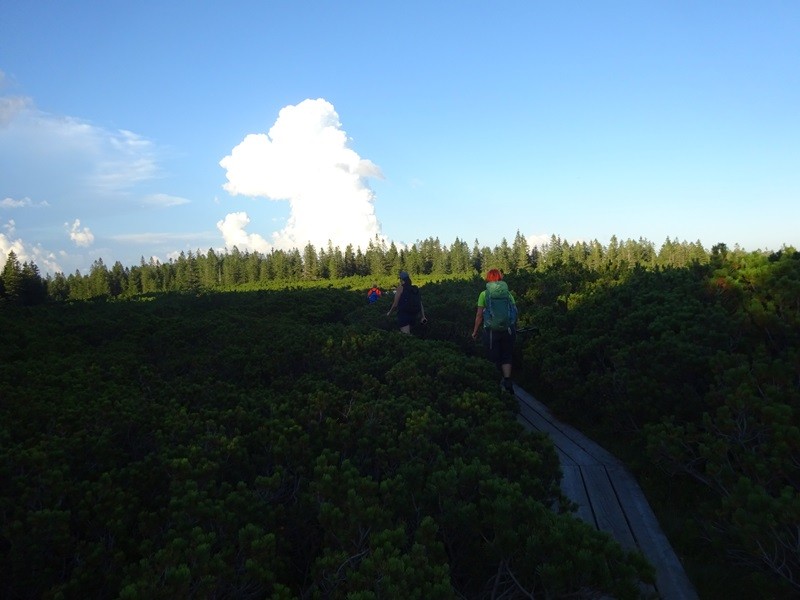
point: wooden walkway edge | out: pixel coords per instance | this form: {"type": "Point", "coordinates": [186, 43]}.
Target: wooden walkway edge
{"type": "Point", "coordinates": [608, 496]}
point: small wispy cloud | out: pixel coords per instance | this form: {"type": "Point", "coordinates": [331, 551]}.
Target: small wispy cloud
{"type": "Point", "coordinates": [11, 106]}
{"type": "Point", "coordinates": [164, 200]}
{"type": "Point", "coordinates": [85, 162]}
{"type": "Point", "coordinates": [22, 203]}
{"type": "Point", "coordinates": [81, 168]}
{"type": "Point", "coordinates": [152, 238]}
{"type": "Point", "coordinates": [82, 237]}
{"type": "Point", "coordinates": [126, 159]}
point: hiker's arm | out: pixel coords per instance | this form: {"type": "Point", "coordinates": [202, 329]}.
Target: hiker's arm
{"type": "Point", "coordinates": [478, 321]}
{"type": "Point", "coordinates": [397, 295]}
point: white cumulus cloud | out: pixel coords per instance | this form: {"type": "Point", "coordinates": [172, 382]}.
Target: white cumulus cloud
{"type": "Point", "coordinates": [43, 259]}
{"type": "Point", "coordinates": [7, 245]}
{"type": "Point", "coordinates": [537, 240]}
{"type": "Point", "coordinates": [82, 237]}
{"type": "Point", "coordinates": [305, 159]}
{"type": "Point", "coordinates": [233, 232]}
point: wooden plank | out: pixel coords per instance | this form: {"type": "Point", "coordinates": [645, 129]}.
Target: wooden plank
{"type": "Point", "coordinates": [574, 488]}
{"type": "Point", "coordinates": [564, 458]}
{"type": "Point", "coordinates": [605, 506]}
{"type": "Point", "coordinates": [671, 579]}
{"type": "Point", "coordinates": [575, 453]}
{"type": "Point", "coordinates": [579, 440]}
{"type": "Point", "coordinates": [609, 497]}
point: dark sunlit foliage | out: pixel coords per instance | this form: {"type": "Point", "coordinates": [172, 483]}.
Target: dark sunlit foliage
{"type": "Point", "coordinates": [275, 444]}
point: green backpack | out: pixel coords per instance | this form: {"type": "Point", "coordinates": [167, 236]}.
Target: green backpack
{"type": "Point", "coordinates": [500, 313]}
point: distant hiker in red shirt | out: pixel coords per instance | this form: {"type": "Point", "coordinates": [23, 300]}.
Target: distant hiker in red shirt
{"type": "Point", "coordinates": [374, 294]}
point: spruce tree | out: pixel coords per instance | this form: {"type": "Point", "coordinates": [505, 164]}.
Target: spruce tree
{"type": "Point", "coordinates": [12, 278]}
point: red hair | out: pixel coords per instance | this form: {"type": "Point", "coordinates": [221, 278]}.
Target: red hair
{"type": "Point", "coordinates": [494, 275]}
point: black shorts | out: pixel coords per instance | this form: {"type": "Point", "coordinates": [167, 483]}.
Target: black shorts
{"type": "Point", "coordinates": [499, 345]}
{"type": "Point", "coordinates": [405, 318]}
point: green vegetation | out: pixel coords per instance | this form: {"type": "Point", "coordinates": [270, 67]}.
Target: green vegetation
{"type": "Point", "coordinates": [692, 376]}
{"type": "Point", "coordinates": [251, 270]}
{"type": "Point", "coordinates": [284, 441]}
{"type": "Point", "coordinates": [272, 444]}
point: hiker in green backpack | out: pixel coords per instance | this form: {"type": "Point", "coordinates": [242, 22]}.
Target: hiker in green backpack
{"type": "Point", "coordinates": [497, 311]}
{"type": "Point", "coordinates": [408, 303]}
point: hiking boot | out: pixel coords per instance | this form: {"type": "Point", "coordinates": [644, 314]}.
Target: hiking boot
{"type": "Point", "coordinates": [508, 385]}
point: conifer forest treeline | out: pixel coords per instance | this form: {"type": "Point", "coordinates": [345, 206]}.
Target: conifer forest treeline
{"type": "Point", "coordinates": [232, 270]}
{"type": "Point", "coordinates": [248, 426]}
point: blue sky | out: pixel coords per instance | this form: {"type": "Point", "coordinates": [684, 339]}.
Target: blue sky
{"type": "Point", "coordinates": [143, 129]}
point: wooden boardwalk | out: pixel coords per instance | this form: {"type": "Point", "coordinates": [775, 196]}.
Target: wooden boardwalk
{"type": "Point", "coordinates": [608, 497]}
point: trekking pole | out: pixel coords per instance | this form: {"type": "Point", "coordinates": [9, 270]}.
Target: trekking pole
{"type": "Point", "coordinates": [533, 330]}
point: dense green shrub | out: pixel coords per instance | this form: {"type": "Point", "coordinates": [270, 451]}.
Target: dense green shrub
{"type": "Point", "coordinates": [695, 371]}
{"type": "Point", "coordinates": [279, 444]}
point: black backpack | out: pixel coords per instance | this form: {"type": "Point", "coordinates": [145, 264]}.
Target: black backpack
{"type": "Point", "coordinates": [410, 300]}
